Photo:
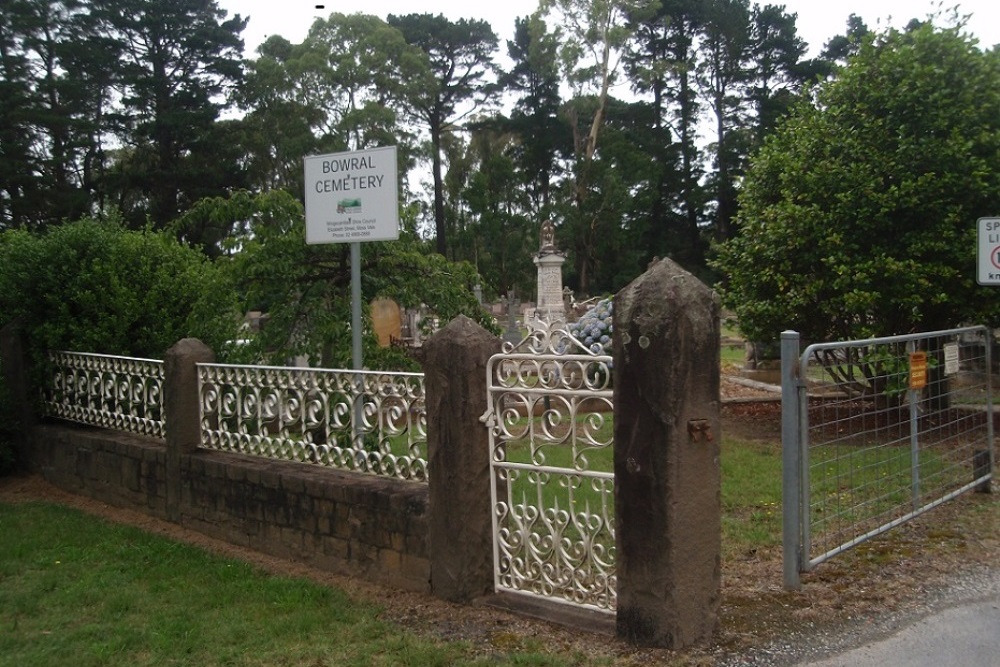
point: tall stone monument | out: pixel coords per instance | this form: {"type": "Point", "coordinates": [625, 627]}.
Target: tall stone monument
{"type": "Point", "coordinates": [549, 260]}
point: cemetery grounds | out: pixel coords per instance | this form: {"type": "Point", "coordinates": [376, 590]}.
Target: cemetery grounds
{"type": "Point", "coordinates": [860, 593]}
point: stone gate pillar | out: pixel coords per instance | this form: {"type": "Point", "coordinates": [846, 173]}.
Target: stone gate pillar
{"type": "Point", "coordinates": [460, 521]}
{"type": "Point", "coordinates": [666, 458]}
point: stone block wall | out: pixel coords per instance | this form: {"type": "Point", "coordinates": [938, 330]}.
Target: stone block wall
{"type": "Point", "coordinates": [342, 522]}
{"type": "Point", "coordinates": [115, 468]}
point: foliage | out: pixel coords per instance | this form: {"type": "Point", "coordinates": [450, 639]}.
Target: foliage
{"type": "Point", "coordinates": [858, 216]}
{"type": "Point", "coordinates": [92, 286]}
{"type": "Point", "coordinates": [114, 102]}
{"type": "Point", "coordinates": [120, 103]}
{"type": "Point", "coordinates": [459, 57]}
{"type": "Point", "coordinates": [343, 88]}
{"type": "Point", "coordinates": [175, 63]}
{"type": "Point", "coordinates": [304, 290]}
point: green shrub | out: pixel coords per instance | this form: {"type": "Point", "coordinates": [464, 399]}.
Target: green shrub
{"type": "Point", "coordinates": [93, 286]}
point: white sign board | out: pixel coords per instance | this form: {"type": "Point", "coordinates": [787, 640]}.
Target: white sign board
{"type": "Point", "coordinates": [951, 359]}
{"type": "Point", "coordinates": [352, 197]}
{"type": "Point", "coordinates": [988, 251]}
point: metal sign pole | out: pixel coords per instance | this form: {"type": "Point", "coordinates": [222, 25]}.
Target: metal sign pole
{"type": "Point", "coordinates": [356, 355]}
{"type": "Point", "coordinates": [358, 362]}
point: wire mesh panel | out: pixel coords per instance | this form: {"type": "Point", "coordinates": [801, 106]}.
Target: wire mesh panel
{"type": "Point", "coordinates": [371, 422]}
{"type": "Point", "coordinates": [551, 436]}
{"type": "Point", "coordinates": [891, 427]}
{"type": "Point", "coordinates": [121, 393]}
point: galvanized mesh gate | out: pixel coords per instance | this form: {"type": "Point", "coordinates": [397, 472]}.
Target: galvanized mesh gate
{"type": "Point", "coordinates": [878, 431]}
{"type": "Point", "coordinates": [552, 484]}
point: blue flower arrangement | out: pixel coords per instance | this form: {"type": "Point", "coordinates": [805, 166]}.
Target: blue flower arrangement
{"type": "Point", "coordinates": [593, 330]}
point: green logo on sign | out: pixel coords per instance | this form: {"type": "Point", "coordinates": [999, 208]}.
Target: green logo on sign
{"type": "Point", "coordinates": [349, 206]}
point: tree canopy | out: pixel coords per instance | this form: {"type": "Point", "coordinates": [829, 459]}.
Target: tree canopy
{"type": "Point", "coordinates": [858, 217]}
{"type": "Point", "coordinates": [305, 289]}
{"type": "Point", "coordinates": [141, 110]}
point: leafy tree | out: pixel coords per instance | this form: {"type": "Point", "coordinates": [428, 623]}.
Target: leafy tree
{"type": "Point", "coordinates": [592, 34]}
{"type": "Point", "coordinates": [722, 76]}
{"type": "Point", "coordinates": [305, 289]}
{"type": "Point", "coordinates": [858, 216]}
{"type": "Point", "coordinates": [498, 232]}
{"type": "Point", "coordinates": [535, 121]}
{"type": "Point", "coordinates": [776, 70]}
{"type": "Point", "coordinates": [460, 54]}
{"type": "Point", "coordinates": [841, 47]}
{"type": "Point", "coordinates": [93, 286]}
{"type": "Point", "coordinates": [281, 124]}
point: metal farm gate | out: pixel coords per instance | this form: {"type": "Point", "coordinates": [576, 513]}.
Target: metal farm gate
{"type": "Point", "coordinates": [552, 485]}
{"type": "Point", "coordinates": [878, 431]}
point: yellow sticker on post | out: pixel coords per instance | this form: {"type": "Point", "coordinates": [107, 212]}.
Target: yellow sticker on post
{"type": "Point", "coordinates": [918, 370]}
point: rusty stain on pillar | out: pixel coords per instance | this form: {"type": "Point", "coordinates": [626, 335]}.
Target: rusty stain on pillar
{"type": "Point", "coordinates": [181, 411]}
{"type": "Point", "coordinates": [458, 459]}
{"type": "Point", "coordinates": [666, 458]}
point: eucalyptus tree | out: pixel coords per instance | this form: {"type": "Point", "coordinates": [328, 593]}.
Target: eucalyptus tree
{"type": "Point", "coordinates": [460, 59]}
{"type": "Point", "coordinates": [343, 88]}
{"type": "Point", "coordinates": [279, 126]}
{"type": "Point", "coordinates": [592, 34]}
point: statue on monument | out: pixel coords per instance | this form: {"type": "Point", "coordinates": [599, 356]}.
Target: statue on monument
{"type": "Point", "coordinates": [548, 237]}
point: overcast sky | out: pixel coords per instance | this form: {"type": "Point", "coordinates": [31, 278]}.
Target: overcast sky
{"type": "Point", "coordinates": [818, 20]}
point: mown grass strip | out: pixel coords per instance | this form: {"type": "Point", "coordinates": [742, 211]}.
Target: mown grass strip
{"type": "Point", "coordinates": [76, 590]}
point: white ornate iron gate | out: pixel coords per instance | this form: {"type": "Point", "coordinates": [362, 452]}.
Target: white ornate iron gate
{"type": "Point", "coordinates": [552, 480]}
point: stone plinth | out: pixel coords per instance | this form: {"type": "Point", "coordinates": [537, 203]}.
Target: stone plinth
{"type": "Point", "coordinates": [550, 306]}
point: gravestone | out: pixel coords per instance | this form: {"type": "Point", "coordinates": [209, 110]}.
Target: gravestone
{"type": "Point", "coordinates": [387, 321]}
{"type": "Point", "coordinates": [512, 332]}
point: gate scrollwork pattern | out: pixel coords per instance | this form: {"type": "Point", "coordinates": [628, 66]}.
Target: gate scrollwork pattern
{"type": "Point", "coordinates": [552, 484]}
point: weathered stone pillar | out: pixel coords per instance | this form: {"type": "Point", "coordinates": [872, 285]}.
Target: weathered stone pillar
{"type": "Point", "coordinates": [666, 458]}
{"type": "Point", "coordinates": [458, 459]}
{"type": "Point", "coordinates": [181, 411]}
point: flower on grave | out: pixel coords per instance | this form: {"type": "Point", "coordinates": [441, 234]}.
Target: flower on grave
{"type": "Point", "coordinates": [594, 328]}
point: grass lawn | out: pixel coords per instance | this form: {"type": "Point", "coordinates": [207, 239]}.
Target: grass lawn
{"type": "Point", "coordinates": [76, 590]}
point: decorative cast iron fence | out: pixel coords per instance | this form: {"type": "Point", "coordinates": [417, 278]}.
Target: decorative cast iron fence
{"type": "Point", "coordinates": [121, 393]}
{"type": "Point", "coordinates": [552, 485]}
{"type": "Point", "coordinates": [372, 422]}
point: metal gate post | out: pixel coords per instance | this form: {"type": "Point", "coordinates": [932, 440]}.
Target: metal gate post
{"type": "Point", "coordinates": [791, 461]}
